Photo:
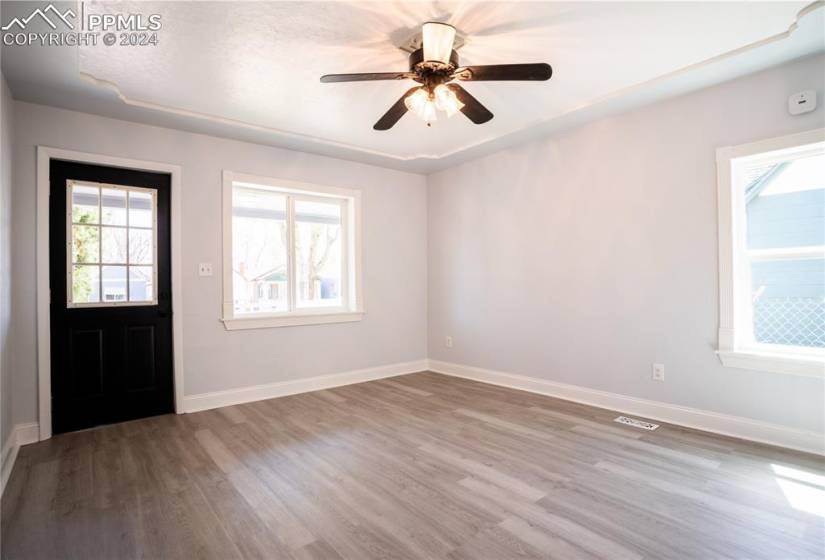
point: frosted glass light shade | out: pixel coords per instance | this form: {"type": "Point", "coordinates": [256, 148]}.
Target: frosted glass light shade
{"type": "Point", "coordinates": [416, 100]}
{"type": "Point", "coordinates": [438, 41]}
{"type": "Point", "coordinates": [421, 105]}
{"type": "Point", "coordinates": [446, 100]}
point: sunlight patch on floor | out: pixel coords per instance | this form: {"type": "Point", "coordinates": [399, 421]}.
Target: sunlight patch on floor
{"type": "Point", "coordinates": [804, 491]}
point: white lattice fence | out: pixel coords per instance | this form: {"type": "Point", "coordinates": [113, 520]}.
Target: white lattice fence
{"type": "Point", "coordinates": [790, 320]}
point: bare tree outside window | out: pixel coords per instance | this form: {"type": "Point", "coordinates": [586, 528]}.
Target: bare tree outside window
{"type": "Point", "coordinates": [318, 253]}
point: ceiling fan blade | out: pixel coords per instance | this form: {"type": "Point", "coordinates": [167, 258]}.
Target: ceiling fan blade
{"type": "Point", "coordinates": [395, 113]}
{"type": "Point", "coordinates": [504, 72]}
{"type": "Point", "coordinates": [332, 78]}
{"type": "Point", "coordinates": [474, 110]}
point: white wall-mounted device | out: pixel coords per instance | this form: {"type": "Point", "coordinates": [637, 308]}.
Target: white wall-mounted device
{"type": "Point", "coordinates": [802, 102]}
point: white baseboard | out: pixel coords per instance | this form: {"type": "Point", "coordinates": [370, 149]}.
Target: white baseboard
{"type": "Point", "coordinates": [724, 424]}
{"type": "Point", "coordinates": [21, 434]}
{"type": "Point", "coordinates": [205, 401]}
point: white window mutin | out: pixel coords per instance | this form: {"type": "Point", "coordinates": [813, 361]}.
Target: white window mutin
{"type": "Point", "coordinates": [772, 254]}
{"type": "Point", "coordinates": [291, 253]}
{"type": "Point", "coordinates": [111, 248]}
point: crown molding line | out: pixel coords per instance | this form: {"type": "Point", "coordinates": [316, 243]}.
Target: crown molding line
{"type": "Point", "coordinates": [112, 86]}
{"type": "Point", "coordinates": [542, 122]}
{"type": "Point", "coordinates": [642, 86]}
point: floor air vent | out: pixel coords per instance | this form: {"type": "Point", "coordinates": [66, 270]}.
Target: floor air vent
{"type": "Point", "coordinates": [636, 423]}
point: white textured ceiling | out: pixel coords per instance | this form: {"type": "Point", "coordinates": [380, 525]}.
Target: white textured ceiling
{"type": "Point", "coordinates": [250, 69]}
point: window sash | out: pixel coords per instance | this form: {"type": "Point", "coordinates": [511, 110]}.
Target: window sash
{"type": "Point", "coordinates": [293, 282]}
{"type": "Point", "coordinates": [99, 225]}
{"type": "Point", "coordinates": [791, 253]}
{"type": "Point", "coordinates": [737, 330]}
{"type": "Point", "coordinates": [294, 192]}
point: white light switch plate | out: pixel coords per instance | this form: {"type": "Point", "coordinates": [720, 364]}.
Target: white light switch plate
{"type": "Point", "coordinates": [205, 269]}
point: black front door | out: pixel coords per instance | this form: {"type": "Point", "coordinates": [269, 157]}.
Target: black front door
{"type": "Point", "coordinates": [111, 295]}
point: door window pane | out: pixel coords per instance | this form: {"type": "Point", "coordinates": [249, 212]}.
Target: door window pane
{"type": "Point", "coordinates": [114, 245]}
{"type": "Point", "coordinates": [259, 251]}
{"type": "Point", "coordinates": [785, 243]}
{"type": "Point", "coordinates": [318, 244]}
{"type": "Point", "coordinates": [113, 205]}
{"type": "Point", "coordinates": [85, 244]}
{"type": "Point", "coordinates": [114, 284]}
{"type": "Point", "coordinates": [141, 248]}
{"type": "Point", "coordinates": [141, 283]}
{"type": "Point", "coordinates": [140, 209]}
{"type": "Point", "coordinates": [85, 284]}
{"type": "Point", "coordinates": [85, 204]}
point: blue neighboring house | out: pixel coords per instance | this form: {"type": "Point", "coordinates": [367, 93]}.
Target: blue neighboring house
{"type": "Point", "coordinates": [788, 292]}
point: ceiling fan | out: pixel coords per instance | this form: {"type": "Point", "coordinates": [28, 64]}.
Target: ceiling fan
{"type": "Point", "coordinates": [435, 66]}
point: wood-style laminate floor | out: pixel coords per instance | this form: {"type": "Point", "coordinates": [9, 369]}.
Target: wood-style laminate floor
{"type": "Point", "coordinates": [420, 466]}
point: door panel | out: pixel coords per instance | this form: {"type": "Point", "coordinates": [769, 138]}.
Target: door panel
{"type": "Point", "coordinates": [86, 362]}
{"type": "Point", "coordinates": [140, 358]}
{"type": "Point", "coordinates": [111, 305]}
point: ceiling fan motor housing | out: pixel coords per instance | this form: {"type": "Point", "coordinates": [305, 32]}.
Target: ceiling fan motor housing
{"type": "Point", "coordinates": [432, 72]}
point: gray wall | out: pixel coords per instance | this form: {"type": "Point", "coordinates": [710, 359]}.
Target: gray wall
{"type": "Point", "coordinates": [587, 256]}
{"type": "Point", "coordinates": [394, 253]}
{"type": "Point", "coordinates": [6, 120]}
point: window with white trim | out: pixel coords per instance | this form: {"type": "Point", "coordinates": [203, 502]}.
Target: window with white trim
{"type": "Point", "coordinates": [111, 254]}
{"type": "Point", "coordinates": [291, 253]}
{"type": "Point", "coordinates": [772, 254]}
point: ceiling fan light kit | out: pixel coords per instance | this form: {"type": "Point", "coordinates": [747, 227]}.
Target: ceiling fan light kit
{"type": "Point", "coordinates": [421, 104]}
{"type": "Point", "coordinates": [436, 67]}
{"type": "Point", "coordinates": [446, 100]}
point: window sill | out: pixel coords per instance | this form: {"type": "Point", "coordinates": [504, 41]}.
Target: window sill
{"type": "Point", "coordinates": [274, 321]}
{"type": "Point", "coordinates": [809, 366]}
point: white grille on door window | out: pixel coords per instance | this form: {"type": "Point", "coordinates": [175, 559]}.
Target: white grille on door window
{"type": "Point", "coordinates": [111, 253]}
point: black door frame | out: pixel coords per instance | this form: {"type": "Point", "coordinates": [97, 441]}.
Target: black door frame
{"type": "Point", "coordinates": [44, 156]}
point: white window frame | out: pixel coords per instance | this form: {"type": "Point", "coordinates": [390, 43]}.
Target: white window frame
{"type": "Point", "coordinates": [153, 193]}
{"type": "Point", "coordinates": [352, 308]}
{"type": "Point", "coordinates": [735, 349]}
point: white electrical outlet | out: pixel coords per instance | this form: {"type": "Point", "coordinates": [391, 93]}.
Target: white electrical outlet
{"type": "Point", "coordinates": [205, 269]}
{"type": "Point", "coordinates": [448, 342]}
{"type": "Point", "coordinates": [658, 372]}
